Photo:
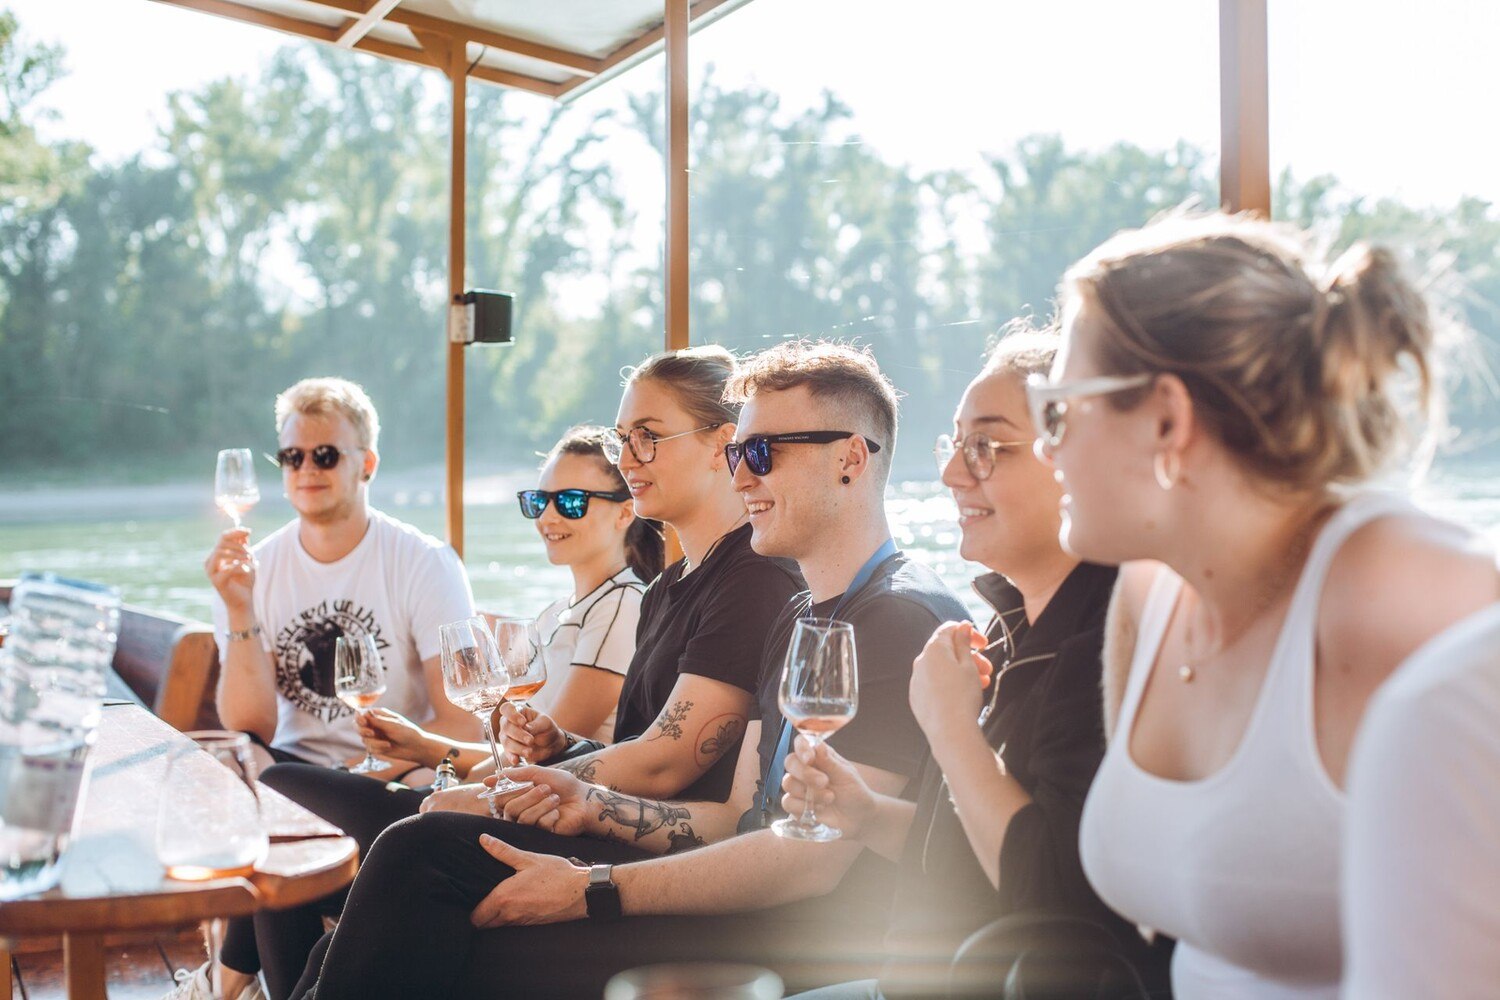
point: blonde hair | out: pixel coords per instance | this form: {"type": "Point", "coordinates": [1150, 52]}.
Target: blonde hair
{"type": "Point", "coordinates": [846, 375]}
{"type": "Point", "coordinates": [1293, 365]}
{"type": "Point", "coordinates": [318, 397]}
{"type": "Point", "coordinates": [696, 376]}
{"type": "Point", "coordinates": [1022, 349]}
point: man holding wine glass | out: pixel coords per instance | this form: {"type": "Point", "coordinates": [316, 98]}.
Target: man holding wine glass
{"type": "Point", "coordinates": [810, 462]}
{"type": "Point", "coordinates": [341, 570]}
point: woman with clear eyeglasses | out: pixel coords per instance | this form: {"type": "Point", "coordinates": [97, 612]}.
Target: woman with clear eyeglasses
{"type": "Point", "coordinates": [1221, 404]}
{"type": "Point", "coordinates": [988, 851]}
{"type": "Point", "coordinates": [687, 695]}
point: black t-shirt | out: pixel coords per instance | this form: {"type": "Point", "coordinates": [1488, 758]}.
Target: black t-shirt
{"type": "Point", "coordinates": [712, 623]}
{"type": "Point", "coordinates": [1048, 724]}
{"type": "Point", "coordinates": [894, 614]}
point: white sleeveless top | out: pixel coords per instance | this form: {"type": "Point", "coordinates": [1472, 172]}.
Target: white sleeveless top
{"type": "Point", "coordinates": [1241, 867]}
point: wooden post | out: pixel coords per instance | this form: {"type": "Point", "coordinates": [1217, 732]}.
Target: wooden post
{"type": "Point", "coordinates": [677, 174]}
{"type": "Point", "coordinates": [678, 337]}
{"type": "Point", "coordinates": [1244, 115]}
{"type": "Point", "coordinates": [454, 493]}
{"type": "Point", "coordinates": [83, 966]}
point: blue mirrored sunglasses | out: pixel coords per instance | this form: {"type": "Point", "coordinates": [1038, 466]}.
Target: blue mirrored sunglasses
{"type": "Point", "coordinates": [571, 504]}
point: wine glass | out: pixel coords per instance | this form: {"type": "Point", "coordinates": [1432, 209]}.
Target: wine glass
{"type": "Point", "coordinates": [235, 490]}
{"type": "Point", "coordinates": [208, 823]}
{"type": "Point", "coordinates": [521, 652]}
{"type": "Point", "coordinates": [359, 681]}
{"type": "Point", "coordinates": [473, 676]}
{"type": "Point", "coordinates": [819, 696]}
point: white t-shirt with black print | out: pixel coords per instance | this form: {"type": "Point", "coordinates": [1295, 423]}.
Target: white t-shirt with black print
{"type": "Point", "coordinates": [398, 584]}
{"type": "Point", "coordinates": [595, 632]}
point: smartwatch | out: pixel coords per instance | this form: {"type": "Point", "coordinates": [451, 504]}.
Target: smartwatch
{"type": "Point", "coordinates": [602, 897]}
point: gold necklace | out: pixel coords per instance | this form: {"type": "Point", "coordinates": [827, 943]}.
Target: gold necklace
{"type": "Point", "coordinates": [1287, 571]}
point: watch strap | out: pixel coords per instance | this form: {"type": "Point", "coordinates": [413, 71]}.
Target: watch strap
{"type": "Point", "coordinates": [602, 896]}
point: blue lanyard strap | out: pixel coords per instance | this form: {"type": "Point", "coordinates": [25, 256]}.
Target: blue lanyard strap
{"type": "Point", "coordinates": [865, 572]}
{"type": "Point", "coordinates": [771, 790]}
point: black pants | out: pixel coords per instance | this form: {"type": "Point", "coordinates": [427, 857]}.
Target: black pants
{"type": "Point", "coordinates": [278, 942]}
{"type": "Point", "coordinates": [405, 931]}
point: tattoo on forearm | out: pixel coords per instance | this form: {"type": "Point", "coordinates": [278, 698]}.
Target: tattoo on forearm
{"type": "Point", "coordinates": [641, 817]}
{"type": "Point", "coordinates": [718, 737]}
{"type": "Point", "coordinates": [670, 724]}
{"type": "Point", "coordinates": [683, 839]}
{"type": "Point", "coordinates": [584, 768]}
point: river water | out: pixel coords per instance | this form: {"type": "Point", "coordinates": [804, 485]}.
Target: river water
{"type": "Point", "coordinates": [157, 561]}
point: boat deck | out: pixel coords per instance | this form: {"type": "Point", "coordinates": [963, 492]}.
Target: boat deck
{"type": "Point", "coordinates": [140, 965]}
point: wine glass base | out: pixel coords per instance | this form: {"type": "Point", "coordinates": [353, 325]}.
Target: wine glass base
{"type": "Point", "coordinates": [793, 829]}
{"type": "Point", "coordinates": [506, 787]}
{"type": "Point", "coordinates": [368, 766]}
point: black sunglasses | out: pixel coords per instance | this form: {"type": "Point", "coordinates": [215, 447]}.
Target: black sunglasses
{"type": "Point", "coordinates": [571, 504]}
{"type": "Point", "coordinates": [756, 450]}
{"type": "Point", "coordinates": [324, 456]}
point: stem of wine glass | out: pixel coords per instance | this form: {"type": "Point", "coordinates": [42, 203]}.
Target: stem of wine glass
{"type": "Point", "coordinates": [521, 759]}
{"type": "Point", "coordinates": [808, 820]}
{"type": "Point", "coordinates": [489, 734]}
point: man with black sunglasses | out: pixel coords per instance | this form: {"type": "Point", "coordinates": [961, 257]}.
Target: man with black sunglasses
{"type": "Point", "coordinates": [341, 568]}
{"type": "Point", "coordinates": [812, 460]}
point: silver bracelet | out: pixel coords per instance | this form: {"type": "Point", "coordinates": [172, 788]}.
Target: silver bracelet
{"type": "Point", "coordinates": [249, 633]}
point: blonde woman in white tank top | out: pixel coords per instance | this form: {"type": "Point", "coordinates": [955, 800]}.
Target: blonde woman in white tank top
{"type": "Point", "coordinates": [1218, 403]}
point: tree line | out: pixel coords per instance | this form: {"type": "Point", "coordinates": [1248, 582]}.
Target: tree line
{"type": "Point", "coordinates": [145, 313]}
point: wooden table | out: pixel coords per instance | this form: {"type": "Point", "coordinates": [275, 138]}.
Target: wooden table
{"type": "Point", "coordinates": [112, 882]}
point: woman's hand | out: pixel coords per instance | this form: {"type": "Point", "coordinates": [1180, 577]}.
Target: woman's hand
{"type": "Point", "coordinates": [525, 732]}
{"type": "Point", "coordinates": [948, 679]}
{"type": "Point", "coordinates": [459, 798]}
{"type": "Point", "coordinates": [840, 795]}
{"type": "Point", "coordinates": [389, 734]}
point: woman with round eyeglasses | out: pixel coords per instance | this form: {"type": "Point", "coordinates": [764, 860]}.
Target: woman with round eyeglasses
{"type": "Point", "coordinates": [988, 843]}
{"type": "Point", "coordinates": [689, 689]}
{"type": "Point", "coordinates": [1220, 406]}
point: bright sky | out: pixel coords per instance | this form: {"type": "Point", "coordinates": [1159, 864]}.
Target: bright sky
{"type": "Point", "coordinates": [1388, 95]}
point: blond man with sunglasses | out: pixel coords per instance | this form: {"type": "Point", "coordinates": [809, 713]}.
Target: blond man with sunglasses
{"type": "Point", "coordinates": [340, 568]}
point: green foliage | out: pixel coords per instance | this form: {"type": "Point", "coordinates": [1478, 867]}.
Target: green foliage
{"type": "Point", "coordinates": [296, 224]}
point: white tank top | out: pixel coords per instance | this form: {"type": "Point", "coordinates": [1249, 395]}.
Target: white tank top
{"type": "Point", "coordinates": [1242, 867]}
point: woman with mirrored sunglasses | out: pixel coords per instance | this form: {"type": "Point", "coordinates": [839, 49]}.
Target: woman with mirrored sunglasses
{"type": "Point", "coordinates": [586, 520]}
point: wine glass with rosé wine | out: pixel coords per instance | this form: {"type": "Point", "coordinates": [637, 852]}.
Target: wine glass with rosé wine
{"type": "Point", "coordinates": [819, 696]}
{"type": "Point", "coordinates": [359, 681]}
{"type": "Point", "coordinates": [520, 648]}
{"type": "Point", "coordinates": [474, 676]}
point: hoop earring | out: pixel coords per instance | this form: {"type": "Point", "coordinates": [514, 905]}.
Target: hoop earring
{"type": "Point", "coordinates": [1166, 474]}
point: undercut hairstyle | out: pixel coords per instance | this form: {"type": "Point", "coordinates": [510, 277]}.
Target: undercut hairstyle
{"type": "Point", "coordinates": [845, 376]}
{"type": "Point", "coordinates": [1022, 349]}
{"type": "Point", "coordinates": [645, 551]}
{"type": "Point", "coordinates": [696, 377]}
{"type": "Point", "coordinates": [1312, 375]}
{"type": "Point", "coordinates": [320, 397]}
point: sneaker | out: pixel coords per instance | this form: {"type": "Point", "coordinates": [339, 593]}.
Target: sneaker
{"type": "Point", "coordinates": [195, 985]}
